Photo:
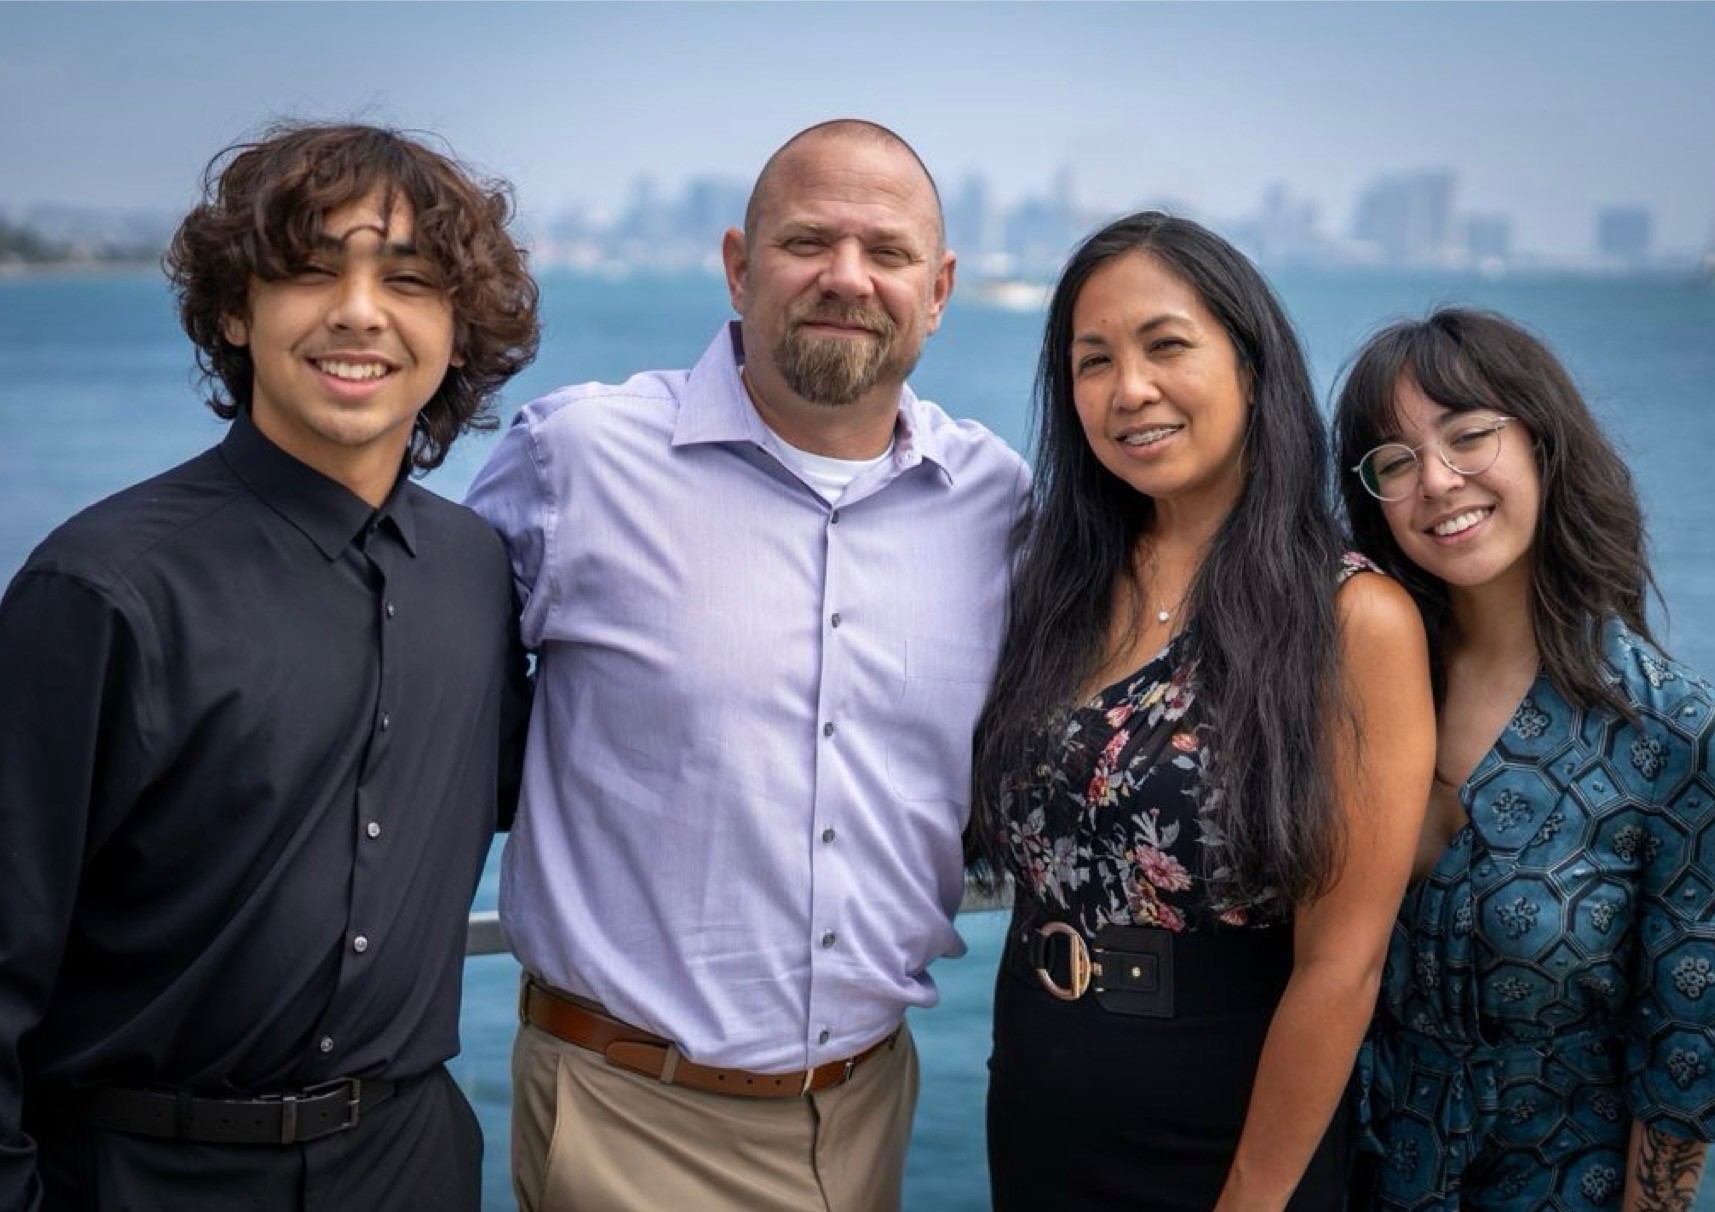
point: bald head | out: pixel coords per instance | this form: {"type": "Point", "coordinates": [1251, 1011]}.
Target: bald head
{"type": "Point", "coordinates": [856, 130]}
{"type": "Point", "coordinates": [840, 275]}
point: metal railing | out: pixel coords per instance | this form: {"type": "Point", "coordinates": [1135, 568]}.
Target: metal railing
{"type": "Point", "coordinates": [484, 938]}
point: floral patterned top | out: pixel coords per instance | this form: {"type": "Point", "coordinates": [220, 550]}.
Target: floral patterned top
{"type": "Point", "coordinates": [1125, 772]}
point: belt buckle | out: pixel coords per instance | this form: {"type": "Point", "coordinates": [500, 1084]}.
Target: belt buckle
{"type": "Point", "coordinates": [352, 1087]}
{"type": "Point", "coordinates": [846, 1068]}
{"type": "Point", "coordinates": [1081, 967]}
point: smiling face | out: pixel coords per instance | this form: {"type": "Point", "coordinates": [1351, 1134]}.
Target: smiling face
{"type": "Point", "coordinates": [1471, 531]}
{"type": "Point", "coordinates": [840, 283]}
{"type": "Point", "coordinates": [1157, 385]}
{"type": "Point", "coordinates": [348, 348]}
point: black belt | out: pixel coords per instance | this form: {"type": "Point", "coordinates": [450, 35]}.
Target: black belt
{"type": "Point", "coordinates": [1146, 971]}
{"type": "Point", "coordinates": [272, 1119]}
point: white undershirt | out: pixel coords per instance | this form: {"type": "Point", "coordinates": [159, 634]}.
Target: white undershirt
{"type": "Point", "coordinates": [828, 476]}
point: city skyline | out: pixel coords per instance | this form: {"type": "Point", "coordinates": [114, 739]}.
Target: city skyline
{"type": "Point", "coordinates": [1544, 114]}
{"type": "Point", "coordinates": [1413, 220]}
{"type": "Point", "coordinates": [1409, 220]}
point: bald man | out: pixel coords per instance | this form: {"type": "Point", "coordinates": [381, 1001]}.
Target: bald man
{"type": "Point", "coordinates": [766, 597]}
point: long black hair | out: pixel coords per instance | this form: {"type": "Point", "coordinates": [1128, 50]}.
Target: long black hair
{"type": "Point", "coordinates": [1260, 612]}
{"type": "Point", "coordinates": [1590, 558]}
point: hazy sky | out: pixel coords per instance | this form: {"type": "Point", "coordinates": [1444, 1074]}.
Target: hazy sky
{"type": "Point", "coordinates": [1545, 110]}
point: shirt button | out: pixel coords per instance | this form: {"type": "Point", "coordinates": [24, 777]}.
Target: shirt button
{"type": "Point", "coordinates": [824, 1036]}
{"type": "Point", "coordinates": [391, 610]}
{"type": "Point", "coordinates": [828, 939]}
{"type": "Point", "coordinates": [835, 621]}
{"type": "Point", "coordinates": [360, 944]}
{"type": "Point", "coordinates": [828, 834]}
{"type": "Point", "coordinates": [386, 721]}
{"type": "Point", "coordinates": [325, 1044]}
{"type": "Point", "coordinates": [834, 518]}
{"type": "Point", "coordinates": [828, 728]}
{"type": "Point", "coordinates": [373, 829]}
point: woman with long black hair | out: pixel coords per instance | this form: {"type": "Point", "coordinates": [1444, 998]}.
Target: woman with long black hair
{"type": "Point", "coordinates": [1546, 1037]}
{"type": "Point", "coordinates": [1203, 762]}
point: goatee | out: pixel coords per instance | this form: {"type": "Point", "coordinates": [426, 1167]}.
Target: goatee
{"type": "Point", "coordinates": [835, 370]}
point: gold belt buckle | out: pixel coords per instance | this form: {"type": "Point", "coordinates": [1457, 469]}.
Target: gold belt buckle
{"type": "Point", "coordinates": [1081, 967]}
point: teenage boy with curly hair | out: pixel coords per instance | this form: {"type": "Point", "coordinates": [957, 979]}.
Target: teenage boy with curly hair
{"type": "Point", "coordinates": [252, 714]}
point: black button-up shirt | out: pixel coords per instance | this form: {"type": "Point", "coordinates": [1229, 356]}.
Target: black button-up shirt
{"type": "Point", "coordinates": [250, 736]}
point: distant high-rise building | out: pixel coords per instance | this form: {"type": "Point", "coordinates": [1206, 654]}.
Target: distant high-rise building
{"type": "Point", "coordinates": [1623, 233]}
{"type": "Point", "coordinates": [1283, 230]}
{"type": "Point", "coordinates": [971, 219]}
{"type": "Point", "coordinates": [1063, 195]}
{"type": "Point", "coordinates": [1038, 236]}
{"type": "Point", "coordinates": [1488, 238]}
{"type": "Point", "coordinates": [710, 206]}
{"type": "Point", "coordinates": [644, 217]}
{"type": "Point", "coordinates": [1041, 232]}
{"type": "Point", "coordinates": [1408, 217]}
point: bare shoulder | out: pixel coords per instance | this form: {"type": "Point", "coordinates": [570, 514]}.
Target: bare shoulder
{"type": "Point", "coordinates": [1377, 618]}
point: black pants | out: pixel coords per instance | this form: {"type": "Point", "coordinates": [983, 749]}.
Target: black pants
{"type": "Point", "coordinates": [420, 1151]}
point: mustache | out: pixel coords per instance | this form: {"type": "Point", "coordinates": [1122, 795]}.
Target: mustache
{"type": "Point", "coordinates": [856, 316]}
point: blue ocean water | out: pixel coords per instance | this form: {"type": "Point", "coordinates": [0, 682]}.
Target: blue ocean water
{"type": "Point", "coordinates": [97, 390]}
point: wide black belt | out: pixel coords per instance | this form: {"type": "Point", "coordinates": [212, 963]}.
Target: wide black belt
{"type": "Point", "coordinates": [271, 1119]}
{"type": "Point", "coordinates": [1150, 972]}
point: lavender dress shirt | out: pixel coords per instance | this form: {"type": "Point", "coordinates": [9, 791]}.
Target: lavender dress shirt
{"type": "Point", "coordinates": [749, 756]}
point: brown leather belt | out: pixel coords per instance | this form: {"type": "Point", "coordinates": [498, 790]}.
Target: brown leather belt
{"type": "Point", "coordinates": [633, 1048]}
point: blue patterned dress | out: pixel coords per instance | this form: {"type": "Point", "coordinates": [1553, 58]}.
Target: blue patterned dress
{"type": "Point", "coordinates": [1553, 979]}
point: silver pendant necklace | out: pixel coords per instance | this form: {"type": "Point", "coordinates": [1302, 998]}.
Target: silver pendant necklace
{"type": "Point", "coordinates": [1163, 612]}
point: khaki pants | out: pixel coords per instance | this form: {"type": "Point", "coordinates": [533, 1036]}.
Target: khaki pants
{"type": "Point", "coordinates": [590, 1137]}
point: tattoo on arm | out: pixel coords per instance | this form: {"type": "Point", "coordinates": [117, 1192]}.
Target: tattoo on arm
{"type": "Point", "coordinates": [1669, 1172]}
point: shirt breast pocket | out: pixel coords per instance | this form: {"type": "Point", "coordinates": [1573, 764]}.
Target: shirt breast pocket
{"type": "Point", "coordinates": [929, 738]}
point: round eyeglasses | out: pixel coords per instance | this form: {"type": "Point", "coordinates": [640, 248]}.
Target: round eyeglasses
{"type": "Point", "coordinates": [1468, 444]}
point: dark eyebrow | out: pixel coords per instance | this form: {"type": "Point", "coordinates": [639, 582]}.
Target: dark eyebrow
{"type": "Point", "coordinates": [1142, 330]}
{"type": "Point", "coordinates": [396, 249]}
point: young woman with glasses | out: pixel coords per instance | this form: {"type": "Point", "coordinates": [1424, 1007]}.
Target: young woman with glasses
{"type": "Point", "coordinates": [1203, 762]}
{"type": "Point", "coordinates": [1544, 1038]}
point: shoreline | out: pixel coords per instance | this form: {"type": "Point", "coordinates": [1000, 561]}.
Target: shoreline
{"type": "Point", "coordinates": [31, 271]}
{"type": "Point", "coordinates": [978, 286]}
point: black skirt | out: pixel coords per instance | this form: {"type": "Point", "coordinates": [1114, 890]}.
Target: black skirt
{"type": "Point", "coordinates": [1088, 1109]}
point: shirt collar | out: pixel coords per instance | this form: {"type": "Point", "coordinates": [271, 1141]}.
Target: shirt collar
{"type": "Point", "coordinates": [329, 514]}
{"type": "Point", "coordinates": [715, 407]}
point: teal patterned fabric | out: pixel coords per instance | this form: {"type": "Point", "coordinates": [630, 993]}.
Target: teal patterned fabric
{"type": "Point", "coordinates": [1553, 979]}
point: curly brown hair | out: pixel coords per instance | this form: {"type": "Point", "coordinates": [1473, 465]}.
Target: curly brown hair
{"type": "Point", "coordinates": [263, 206]}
